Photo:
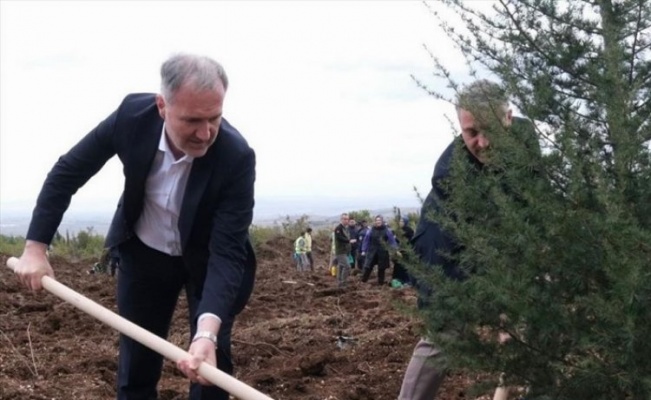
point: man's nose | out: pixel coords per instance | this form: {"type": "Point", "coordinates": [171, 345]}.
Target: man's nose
{"type": "Point", "coordinates": [204, 130]}
{"type": "Point", "coordinates": [482, 142]}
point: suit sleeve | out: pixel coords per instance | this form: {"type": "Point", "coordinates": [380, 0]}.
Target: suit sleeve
{"type": "Point", "coordinates": [68, 174]}
{"type": "Point", "coordinates": [229, 241]}
{"type": "Point", "coordinates": [431, 242]}
{"type": "Point", "coordinates": [340, 236]}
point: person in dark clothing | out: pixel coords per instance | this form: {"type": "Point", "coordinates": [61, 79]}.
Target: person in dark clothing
{"type": "Point", "coordinates": [407, 230]}
{"type": "Point", "coordinates": [400, 273]}
{"type": "Point", "coordinates": [182, 222]}
{"type": "Point", "coordinates": [376, 249]}
{"type": "Point", "coordinates": [308, 247]}
{"type": "Point", "coordinates": [353, 230]}
{"type": "Point", "coordinates": [342, 243]}
{"type": "Point", "coordinates": [423, 377]}
{"type": "Point", "coordinates": [114, 264]}
{"type": "Point", "coordinates": [359, 258]}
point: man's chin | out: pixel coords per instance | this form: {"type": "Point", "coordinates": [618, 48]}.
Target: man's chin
{"type": "Point", "coordinates": [196, 152]}
{"type": "Point", "coordinates": [482, 158]}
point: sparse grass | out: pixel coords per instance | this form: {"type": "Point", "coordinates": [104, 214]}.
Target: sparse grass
{"type": "Point", "coordinates": [262, 234]}
{"type": "Point", "coordinates": [32, 368]}
{"type": "Point", "coordinates": [31, 349]}
{"type": "Point", "coordinates": [12, 245]}
{"type": "Point", "coordinates": [84, 245]}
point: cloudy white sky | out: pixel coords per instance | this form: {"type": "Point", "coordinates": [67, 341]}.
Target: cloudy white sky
{"type": "Point", "coordinates": [321, 90]}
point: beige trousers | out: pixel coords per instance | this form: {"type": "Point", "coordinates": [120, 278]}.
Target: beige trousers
{"type": "Point", "coordinates": [422, 379]}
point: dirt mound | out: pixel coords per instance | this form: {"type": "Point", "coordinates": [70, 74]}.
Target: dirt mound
{"type": "Point", "coordinates": [276, 248]}
{"type": "Point", "coordinates": [299, 337]}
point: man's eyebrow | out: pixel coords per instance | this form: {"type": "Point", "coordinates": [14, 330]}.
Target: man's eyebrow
{"type": "Point", "coordinates": [189, 118]}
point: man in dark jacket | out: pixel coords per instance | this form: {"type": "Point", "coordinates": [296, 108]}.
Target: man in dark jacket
{"type": "Point", "coordinates": [343, 243]}
{"type": "Point", "coordinates": [422, 378]}
{"type": "Point", "coordinates": [359, 258]}
{"type": "Point", "coordinates": [376, 249]}
{"type": "Point", "coordinates": [400, 274]}
{"type": "Point", "coordinates": [182, 220]}
{"type": "Point", "coordinates": [353, 231]}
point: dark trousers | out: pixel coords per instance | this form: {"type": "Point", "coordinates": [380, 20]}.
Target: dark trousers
{"type": "Point", "coordinates": [360, 261]}
{"type": "Point", "coordinates": [310, 260]}
{"type": "Point", "coordinates": [400, 273]}
{"type": "Point", "coordinates": [353, 253]}
{"type": "Point", "coordinates": [379, 258]}
{"type": "Point", "coordinates": [149, 284]}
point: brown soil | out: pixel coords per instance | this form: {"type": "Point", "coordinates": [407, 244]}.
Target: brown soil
{"type": "Point", "coordinates": [284, 342]}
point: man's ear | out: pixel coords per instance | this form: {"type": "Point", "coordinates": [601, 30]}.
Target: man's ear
{"type": "Point", "coordinates": [160, 103]}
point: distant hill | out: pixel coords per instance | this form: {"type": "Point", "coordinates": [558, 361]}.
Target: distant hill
{"type": "Point", "coordinates": [16, 223]}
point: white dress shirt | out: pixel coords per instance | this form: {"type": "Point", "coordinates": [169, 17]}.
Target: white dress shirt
{"type": "Point", "coordinates": [158, 225]}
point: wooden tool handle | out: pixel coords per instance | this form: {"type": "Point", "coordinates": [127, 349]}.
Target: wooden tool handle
{"type": "Point", "coordinates": [146, 338]}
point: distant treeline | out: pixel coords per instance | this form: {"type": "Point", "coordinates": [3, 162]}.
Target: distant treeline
{"type": "Point", "coordinates": [87, 244]}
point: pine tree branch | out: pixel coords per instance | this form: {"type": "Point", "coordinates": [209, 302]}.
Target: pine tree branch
{"type": "Point", "coordinates": [515, 338]}
{"type": "Point", "coordinates": [642, 105]}
{"type": "Point", "coordinates": [646, 46]}
{"type": "Point", "coordinates": [544, 54]}
{"type": "Point", "coordinates": [634, 45]}
{"type": "Point", "coordinates": [580, 115]}
{"type": "Point", "coordinates": [585, 28]}
{"type": "Point", "coordinates": [646, 79]}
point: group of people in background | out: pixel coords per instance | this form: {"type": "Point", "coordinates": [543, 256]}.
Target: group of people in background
{"type": "Point", "coordinates": [478, 106]}
{"type": "Point", "coordinates": [358, 249]}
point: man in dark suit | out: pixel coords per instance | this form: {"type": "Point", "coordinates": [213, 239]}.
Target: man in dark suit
{"type": "Point", "coordinates": [477, 104]}
{"type": "Point", "coordinates": [182, 220]}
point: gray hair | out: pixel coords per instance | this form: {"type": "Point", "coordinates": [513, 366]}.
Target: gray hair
{"type": "Point", "coordinates": [202, 72]}
{"type": "Point", "coordinates": [482, 95]}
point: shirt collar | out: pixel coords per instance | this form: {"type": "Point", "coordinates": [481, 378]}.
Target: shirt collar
{"type": "Point", "coordinates": [165, 148]}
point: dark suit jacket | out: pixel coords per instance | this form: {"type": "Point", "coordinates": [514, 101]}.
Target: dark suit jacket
{"type": "Point", "coordinates": [217, 206]}
{"type": "Point", "coordinates": [431, 242]}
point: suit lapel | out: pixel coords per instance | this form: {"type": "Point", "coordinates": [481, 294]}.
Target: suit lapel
{"type": "Point", "coordinates": [143, 147]}
{"type": "Point", "coordinates": [144, 151]}
{"type": "Point", "coordinates": [200, 175]}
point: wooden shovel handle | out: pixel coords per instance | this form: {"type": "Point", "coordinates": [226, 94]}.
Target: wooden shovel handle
{"type": "Point", "coordinates": [146, 338]}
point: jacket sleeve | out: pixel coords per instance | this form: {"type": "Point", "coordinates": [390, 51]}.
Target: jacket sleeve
{"type": "Point", "coordinates": [340, 236]}
{"type": "Point", "coordinates": [228, 242]}
{"type": "Point", "coordinates": [68, 174]}
{"type": "Point", "coordinates": [431, 242]}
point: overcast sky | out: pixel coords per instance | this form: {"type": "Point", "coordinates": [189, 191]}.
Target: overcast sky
{"type": "Point", "coordinates": [321, 90]}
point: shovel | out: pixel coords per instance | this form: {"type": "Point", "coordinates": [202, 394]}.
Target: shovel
{"type": "Point", "coordinates": [166, 349]}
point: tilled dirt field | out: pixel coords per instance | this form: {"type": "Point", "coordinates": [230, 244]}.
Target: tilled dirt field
{"type": "Point", "coordinates": [285, 343]}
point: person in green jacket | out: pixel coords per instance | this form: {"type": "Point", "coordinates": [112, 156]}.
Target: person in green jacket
{"type": "Point", "coordinates": [300, 256]}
